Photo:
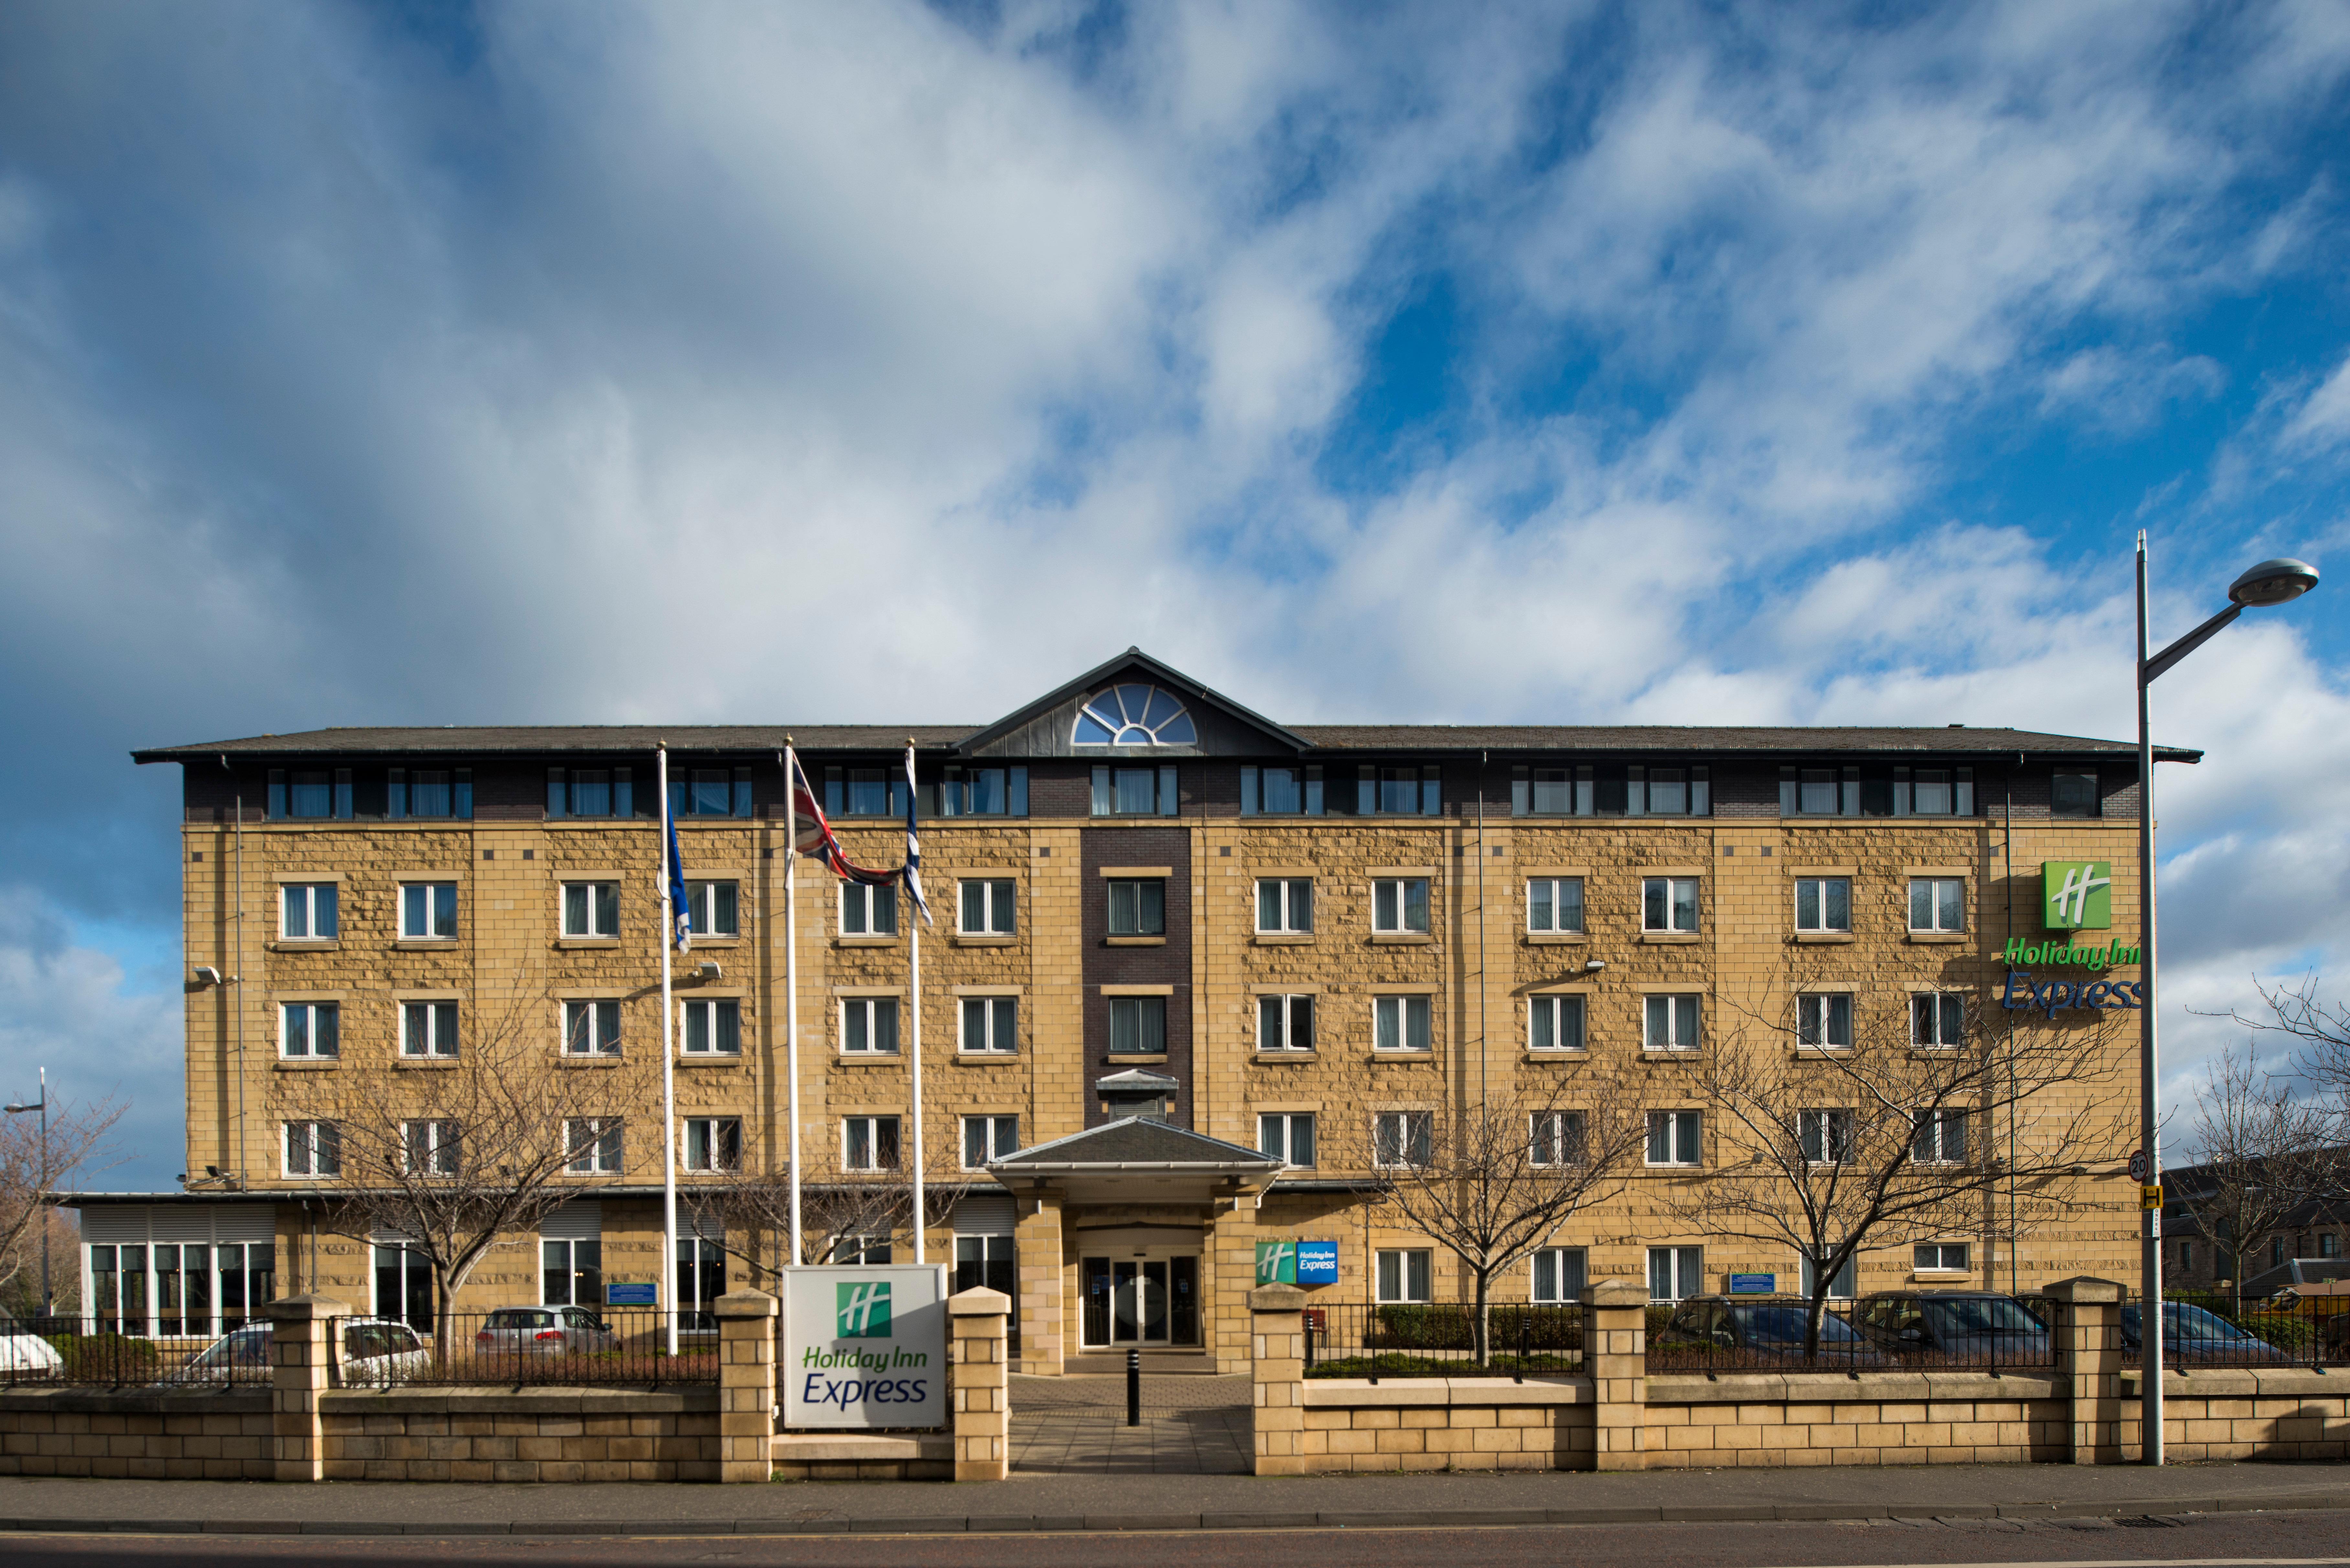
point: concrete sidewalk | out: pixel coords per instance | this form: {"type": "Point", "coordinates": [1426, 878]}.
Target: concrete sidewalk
{"type": "Point", "coordinates": [1103, 1502]}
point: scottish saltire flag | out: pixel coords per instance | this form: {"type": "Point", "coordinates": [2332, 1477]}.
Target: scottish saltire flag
{"type": "Point", "coordinates": [680, 910]}
{"type": "Point", "coordinates": [913, 872]}
{"type": "Point", "coordinates": [815, 840]}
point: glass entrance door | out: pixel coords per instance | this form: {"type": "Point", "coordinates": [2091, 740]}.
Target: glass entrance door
{"type": "Point", "coordinates": [1146, 1301]}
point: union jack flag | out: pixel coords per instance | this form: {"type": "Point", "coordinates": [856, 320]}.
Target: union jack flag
{"type": "Point", "coordinates": [815, 840]}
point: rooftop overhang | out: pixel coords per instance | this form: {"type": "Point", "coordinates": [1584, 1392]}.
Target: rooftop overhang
{"type": "Point", "coordinates": [1117, 1182]}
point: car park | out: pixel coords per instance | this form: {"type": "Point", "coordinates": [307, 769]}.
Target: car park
{"type": "Point", "coordinates": [2191, 1333]}
{"type": "Point", "coordinates": [1962, 1327]}
{"type": "Point", "coordinates": [375, 1352]}
{"type": "Point", "coordinates": [543, 1331]}
{"type": "Point", "coordinates": [1769, 1329]}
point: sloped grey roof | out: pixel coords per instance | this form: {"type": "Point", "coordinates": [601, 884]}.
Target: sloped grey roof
{"type": "Point", "coordinates": [491, 739]}
{"type": "Point", "coordinates": [1132, 1141]}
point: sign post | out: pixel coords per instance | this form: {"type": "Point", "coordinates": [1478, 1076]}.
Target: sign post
{"type": "Point", "coordinates": [865, 1347]}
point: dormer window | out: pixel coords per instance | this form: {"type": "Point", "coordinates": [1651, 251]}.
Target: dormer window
{"type": "Point", "coordinates": [1135, 714]}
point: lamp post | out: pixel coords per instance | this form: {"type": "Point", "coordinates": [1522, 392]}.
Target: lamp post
{"type": "Point", "coordinates": [15, 1108]}
{"type": "Point", "coordinates": [2269, 583]}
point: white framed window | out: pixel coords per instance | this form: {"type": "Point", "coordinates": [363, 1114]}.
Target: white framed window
{"type": "Point", "coordinates": [713, 1143]}
{"type": "Point", "coordinates": [1938, 1257]}
{"type": "Point", "coordinates": [1138, 1025]}
{"type": "Point", "coordinates": [1841, 1287]}
{"type": "Point", "coordinates": [1560, 1274]}
{"type": "Point", "coordinates": [308, 1030]}
{"type": "Point", "coordinates": [1399, 905]}
{"type": "Point", "coordinates": [1285, 904]}
{"type": "Point", "coordinates": [428, 911]}
{"type": "Point", "coordinates": [1406, 1273]}
{"type": "Point", "coordinates": [1125, 791]}
{"type": "Point", "coordinates": [1824, 905]}
{"type": "Point", "coordinates": [595, 1145]}
{"type": "Point", "coordinates": [1669, 904]}
{"type": "Point", "coordinates": [989, 906]}
{"type": "Point", "coordinates": [429, 1147]}
{"type": "Point", "coordinates": [1138, 906]}
{"type": "Point", "coordinates": [1399, 1023]}
{"type": "Point", "coordinates": [1676, 1138]}
{"type": "Point", "coordinates": [306, 911]}
{"type": "Point", "coordinates": [1401, 1138]}
{"type": "Point", "coordinates": [1285, 1023]}
{"type": "Point", "coordinates": [869, 1026]}
{"type": "Point", "coordinates": [1824, 1023]}
{"type": "Point", "coordinates": [987, 1137]}
{"type": "Point", "coordinates": [714, 909]}
{"type": "Point", "coordinates": [713, 1027]}
{"type": "Point", "coordinates": [868, 910]}
{"type": "Point", "coordinates": [1559, 1138]}
{"type": "Point", "coordinates": [428, 1029]}
{"type": "Point", "coordinates": [1938, 905]}
{"type": "Point", "coordinates": [1555, 1023]}
{"type": "Point", "coordinates": [990, 1025]}
{"type": "Point", "coordinates": [1824, 1135]}
{"type": "Point", "coordinates": [1937, 1020]}
{"type": "Point", "coordinates": [1670, 1024]}
{"type": "Point", "coordinates": [570, 1272]}
{"type": "Point", "coordinates": [591, 910]}
{"type": "Point", "coordinates": [1286, 1136]}
{"type": "Point", "coordinates": [1937, 1137]}
{"type": "Point", "coordinates": [1281, 791]}
{"type": "Point", "coordinates": [1675, 1273]}
{"type": "Point", "coordinates": [314, 1148]}
{"type": "Point", "coordinates": [591, 1028]}
{"type": "Point", "coordinates": [869, 1143]}
{"type": "Point", "coordinates": [1554, 904]}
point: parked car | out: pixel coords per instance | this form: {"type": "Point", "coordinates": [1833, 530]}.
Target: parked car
{"type": "Point", "coordinates": [2191, 1333]}
{"type": "Point", "coordinates": [26, 1356]}
{"type": "Point", "coordinates": [543, 1331]}
{"type": "Point", "coordinates": [376, 1352]}
{"type": "Point", "coordinates": [1972, 1327]}
{"type": "Point", "coordinates": [1765, 1328]}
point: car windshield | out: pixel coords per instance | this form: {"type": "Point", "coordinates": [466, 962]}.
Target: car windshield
{"type": "Point", "coordinates": [513, 1317]}
{"type": "Point", "coordinates": [247, 1347]}
{"type": "Point", "coordinates": [1969, 1316]}
{"type": "Point", "coordinates": [1784, 1325]}
{"type": "Point", "coordinates": [2181, 1320]}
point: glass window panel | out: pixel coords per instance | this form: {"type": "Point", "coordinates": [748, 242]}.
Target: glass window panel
{"type": "Point", "coordinates": [1684, 903]}
{"type": "Point", "coordinates": [1838, 899]}
{"type": "Point", "coordinates": [1415, 1013]}
{"type": "Point", "coordinates": [1387, 907]}
{"type": "Point", "coordinates": [1932, 792]}
{"type": "Point", "coordinates": [1655, 898]}
{"type": "Point", "coordinates": [1818, 797]}
{"type": "Point", "coordinates": [1137, 790]}
{"type": "Point", "coordinates": [1950, 905]}
{"type": "Point", "coordinates": [1539, 917]}
{"type": "Point", "coordinates": [1388, 1028]}
{"type": "Point", "coordinates": [1543, 1035]}
{"type": "Point", "coordinates": [1283, 791]}
{"type": "Point", "coordinates": [1668, 792]}
{"type": "Point", "coordinates": [1415, 905]}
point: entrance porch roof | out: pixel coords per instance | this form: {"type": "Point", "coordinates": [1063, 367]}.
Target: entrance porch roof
{"type": "Point", "coordinates": [1138, 1160]}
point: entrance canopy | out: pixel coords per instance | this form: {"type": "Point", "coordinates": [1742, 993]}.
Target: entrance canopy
{"type": "Point", "coordinates": [1138, 1160]}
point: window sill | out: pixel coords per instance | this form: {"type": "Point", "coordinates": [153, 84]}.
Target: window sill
{"type": "Point", "coordinates": [1377, 1055]}
{"type": "Point", "coordinates": [867, 1058]}
{"type": "Point", "coordinates": [1940, 1274]}
{"type": "Point", "coordinates": [865, 942]}
{"type": "Point", "coordinates": [1292, 1058]}
{"type": "Point", "coordinates": [1401, 938]}
{"type": "Point", "coordinates": [710, 1059]}
{"type": "Point", "coordinates": [612, 1060]}
{"type": "Point", "coordinates": [1816, 1053]}
{"type": "Point", "coordinates": [1558, 1053]}
{"type": "Point", "coordinates": [1554, 939]}
{"type": "Point", "coordinates": [1649, 1056]}
{"type": "Point", "coordinates": [1134, 1058]}
{"type": "Point", "coordinates": [423, 1064]}
{"type": "Point", "coordinates": [430, 944]}
{"type": "Point", "coordinates": [564, 943]}
{"type": "Point", "coordinates": [711, 940]}
{"type": "Point", "coordinates": [987, 1058]}
{"type": "Point", "coordinates": [1668, 939]}
{"type": "Point", "coordinates": [306, 944]}
{"type": "Point", "coordinates": [1821, 939]}
{"type": "Point", "coordinates": [1134, 941]}
{"type": "Point", "coordinates": [1283, 939]}
{"type": "Point", "coordinates": [307, 1064]}
{"type": "Point", "coordinates": [983, 939]}
{"type": "Point", "coordinates": [1938, 938]}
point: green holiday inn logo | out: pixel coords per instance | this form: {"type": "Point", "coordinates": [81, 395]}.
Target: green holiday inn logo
{"type": "Point", "coordinates": [862, 1311]}
{"type": "Point", "coordinates": [2077, 895]}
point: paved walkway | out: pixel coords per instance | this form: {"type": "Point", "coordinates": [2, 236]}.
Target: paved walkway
{"type": "Point", "coordinates": [1076, 1425]}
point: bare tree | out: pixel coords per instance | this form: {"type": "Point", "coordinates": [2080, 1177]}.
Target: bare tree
{"type": "Point", "coordinates": [1829, 1147]}
{"type": "Point", "coordinates": [1498, 1179]}
{"type": "Point", "coordinates": [2320, 1033]}
{"type": "Point", "coordinates": [2264, 1156]}
{"type": "Point", "coordinates": [462, 1154]}
{"type": "Point", "coordinates": [840, 1209]}
{"type": "Point", "coordinates": [31, 1166]}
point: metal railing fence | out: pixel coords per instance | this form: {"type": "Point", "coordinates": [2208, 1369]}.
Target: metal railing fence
{"type": "Point", "coordinates": [1435, 1339]}
{"type": "Point", "coordinates": [2203, 1329]}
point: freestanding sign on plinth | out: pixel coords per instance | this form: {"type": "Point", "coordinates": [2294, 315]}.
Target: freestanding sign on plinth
{"type": "Point", "coordinates": [865, 1347]}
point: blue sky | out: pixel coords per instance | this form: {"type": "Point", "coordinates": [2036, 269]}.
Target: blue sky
{"type": "Point", "coordinates": [1756, 363]}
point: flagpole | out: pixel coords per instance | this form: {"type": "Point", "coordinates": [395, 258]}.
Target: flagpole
{"type": "Point", "coordinates": [920, 1215]}
{"type": "Point", "coordinates": [669, 1064]}
{"type": "Point", "coordinates": [792, 973]}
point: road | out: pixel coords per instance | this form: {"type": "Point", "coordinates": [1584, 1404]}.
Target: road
{"type": "Point", "coordinates": [2312, 1538]}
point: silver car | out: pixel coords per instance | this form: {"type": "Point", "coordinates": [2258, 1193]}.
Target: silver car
{"type": "Point", "coordinates": [543, 1331]}
{"type": "Point", "coordinates": [26, 1356]}
{"type": "Point", "coordinates": [376, 1352]}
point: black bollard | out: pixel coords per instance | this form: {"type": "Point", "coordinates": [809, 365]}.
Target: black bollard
{"type": "Point", "coordinates": [1134, 1388]}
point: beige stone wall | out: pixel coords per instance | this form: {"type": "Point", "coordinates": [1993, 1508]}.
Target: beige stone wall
{"type": "Point", "coordinates": [491, 1435]}
{"type": "Point", "coordinates": [1439, 1424]}
{"type": "Point", "coordinates": [1877, 1419]}
{"type": "Point", "coordinates": [2243, 1414]}
{"type": "Point", "coordinates": [148, 1436]}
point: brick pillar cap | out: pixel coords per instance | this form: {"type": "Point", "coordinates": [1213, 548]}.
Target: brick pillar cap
{"type": "Point", "coordinates": [2083, 1289]}
{"type": "Point", "coordinates": [745, 1303]}
{"type": "Point", "coordinates": [979, 1301]}
{"type": "Point", "coordinates": [1276, 1298]}
{"type": "Point", "coordinates": [1615, 1294]}
{"type": "Point", "coordinates": [304, 1309]}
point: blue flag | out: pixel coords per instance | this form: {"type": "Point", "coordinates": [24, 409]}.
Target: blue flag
{"type": "Point", "coordinates": [680, 910]}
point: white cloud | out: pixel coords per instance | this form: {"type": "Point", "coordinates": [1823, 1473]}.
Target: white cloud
{"type": "Point", "coordinates": [2323, 418]}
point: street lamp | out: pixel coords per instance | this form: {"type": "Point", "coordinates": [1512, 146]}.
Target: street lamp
{"type": "Point", "coordinates": [14, 1107]}
{"type": "Point", "coordinates": [2269, 583]}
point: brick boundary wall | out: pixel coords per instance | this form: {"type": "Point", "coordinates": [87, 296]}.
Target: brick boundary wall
{"type": "Point", "coordinates": [542, 1435]}
{"type": "Point", "coordinates": [149, 1434]}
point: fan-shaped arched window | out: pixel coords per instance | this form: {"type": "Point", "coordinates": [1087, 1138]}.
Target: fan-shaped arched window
{"type": "Point", "coordinates": [1134, 715]}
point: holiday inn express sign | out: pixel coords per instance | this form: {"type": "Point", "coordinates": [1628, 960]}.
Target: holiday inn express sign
{"type": "Point", "coordinates": [865, 1347]}
{"type": "Point", "coordinates": [2075, 896]}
